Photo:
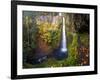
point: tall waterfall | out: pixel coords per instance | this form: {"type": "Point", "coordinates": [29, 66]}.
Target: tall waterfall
{"type": "Point", "coordinates": [62, 52]}
{"type": "Point", "coordinates": [63, 43]}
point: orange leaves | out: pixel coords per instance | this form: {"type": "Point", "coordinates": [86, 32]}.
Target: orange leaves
{"type": "Point", "coordinates": [84, 50]}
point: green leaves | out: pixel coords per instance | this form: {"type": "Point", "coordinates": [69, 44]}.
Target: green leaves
{"type": "Point", "coordinates": [72, 50]}
{"type": "Point", "coordinates": [50, 33]}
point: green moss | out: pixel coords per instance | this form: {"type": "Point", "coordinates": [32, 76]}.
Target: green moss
{"type": "Point", "coordinates": [84, 39]}
{"type": "Point", "coordinates": [72, 51]}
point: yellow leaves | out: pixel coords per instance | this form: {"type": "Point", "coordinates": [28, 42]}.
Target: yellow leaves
{"type": "Point", "coordinates": [46, 28]}
{"type": "Point", "coordinates": [47, 37]}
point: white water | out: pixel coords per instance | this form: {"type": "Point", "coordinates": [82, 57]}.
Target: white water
{"type": "Point", "coordinates": [63, 48]}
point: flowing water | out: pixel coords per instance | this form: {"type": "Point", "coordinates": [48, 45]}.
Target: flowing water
{"type": "Point", "coordinates": [63, 43]}
{"type": "Point", "coordinates": [61, 52]}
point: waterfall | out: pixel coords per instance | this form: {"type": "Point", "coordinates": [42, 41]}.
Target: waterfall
{"type": "Point", "coordinates": [63, 43]}
{"type": "Point", "coordinates": [61, 52]}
